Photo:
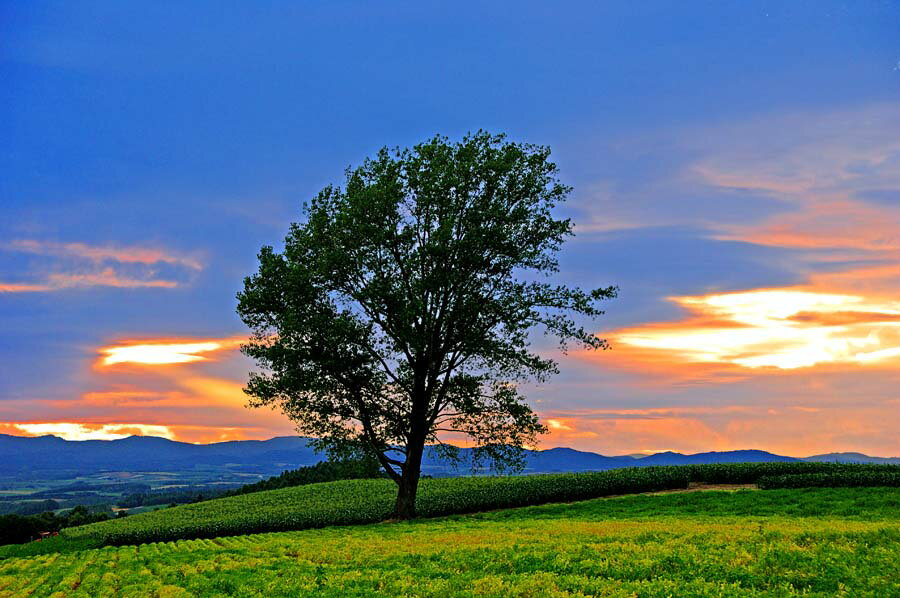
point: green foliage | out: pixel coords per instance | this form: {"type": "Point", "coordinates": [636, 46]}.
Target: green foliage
{"type": "Point", "coordinates": [168, 497]}
{"type": "Point", "coordinates": [30, 507]}
{"type": "Point", "coordinates": [324, 471]}
{"type": "Point", "coordinates": [19, 528]}
{"type": "Point", "coordinates": [402, 305]}
{"type": "Point", "coordinates": [852, 477]}
{"type": "Point", "coordinates": [648, 546]}
{"type": "Point", "coordinates": [750, 473]}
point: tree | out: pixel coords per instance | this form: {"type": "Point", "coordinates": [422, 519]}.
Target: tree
{"type": "Point", "coordinates": [401, 307]}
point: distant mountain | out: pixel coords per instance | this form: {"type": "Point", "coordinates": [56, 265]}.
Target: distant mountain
{"type": "Point", "coordinates": [148, 453]}
{"type": "Point", "coordinates": [49, 456]}
{"type": "Point", "coordinates": [747, 456]}
{"type": "Point", "coordinates": [558, 460]}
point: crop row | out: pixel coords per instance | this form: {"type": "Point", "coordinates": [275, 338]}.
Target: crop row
{"type": "Point", "coordinates": [751, 473]}
{"type": "Point", "coordinates": [834, 479]}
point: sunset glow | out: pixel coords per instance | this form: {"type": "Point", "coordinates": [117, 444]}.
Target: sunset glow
{"type": "Point", "coordinates": [748, 211]}
{"type": "Point", "coordinates": [159, 353]}
{"type": "Point", "coordinates": [784, 329]}
{"type": "Point", "coordinates": [76, 431]}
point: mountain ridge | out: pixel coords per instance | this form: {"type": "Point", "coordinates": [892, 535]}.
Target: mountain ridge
{"type": "Point", "coordinates": [151, 453]}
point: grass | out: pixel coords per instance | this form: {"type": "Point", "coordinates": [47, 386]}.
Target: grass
{"type": "Point", "coordinates": [816, 542]}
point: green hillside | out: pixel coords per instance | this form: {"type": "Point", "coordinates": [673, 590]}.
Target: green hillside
{"type": "Point", "coordinates": [351, 502]}
{"type": "Point", "coordinates": [366, 501]}
{"type": "Point", "coordinates": [813, 542]}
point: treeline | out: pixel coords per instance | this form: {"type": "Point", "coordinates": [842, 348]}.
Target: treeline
{"type": "Point", "coordinates": [169, 497]}
{"type": "Point", "coordinates": [29, 507]}
{"type": "Point", "coordinates": [323, 471]}
{"type": "Point", "coordinates": [15, 529]}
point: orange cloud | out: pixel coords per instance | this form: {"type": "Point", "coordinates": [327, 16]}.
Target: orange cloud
{"type": "Point", "coordinates": [104, 431]}
{"type": "Point", "coordinates": [622, 433]}
{"type": "Point", "coordinates": [163, 352]}
{"type": "Point", "coordinates": [86, 431]}
{"type": "Point", "coordinates": [774, 328]}
{"type": "Point", "coordinates": [135, 382]}
{"type": "Point", "coordinates": [824, 225]}
{"type": "Point", "coordinates": [13, 287]}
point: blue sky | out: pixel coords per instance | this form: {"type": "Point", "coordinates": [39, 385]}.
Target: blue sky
{"type": "Point", "coordinates": [148, 150]}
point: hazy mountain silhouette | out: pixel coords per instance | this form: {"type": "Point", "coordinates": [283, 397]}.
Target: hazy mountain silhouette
{"type": "Point", "coordinates": [51, 456]}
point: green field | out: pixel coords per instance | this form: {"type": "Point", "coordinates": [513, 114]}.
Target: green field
{"type": "Point", "coordinates": [362, 501]}
{"type": "Point", "coordinates": [814, 542]}
{"type": "Point", "coordinates": [350, 502]}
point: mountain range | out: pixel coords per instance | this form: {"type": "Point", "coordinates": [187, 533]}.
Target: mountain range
{"type": "Point", "coordinates": [53, 456]}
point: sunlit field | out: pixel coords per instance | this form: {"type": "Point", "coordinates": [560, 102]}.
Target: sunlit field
{"type": "Point", "coordinates": [816, 542]}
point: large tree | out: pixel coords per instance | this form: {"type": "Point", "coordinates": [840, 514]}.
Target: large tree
{"type": "Point", "coordinates": [399, 313]}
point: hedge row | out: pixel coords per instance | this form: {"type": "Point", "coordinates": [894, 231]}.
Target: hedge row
{"type": "Point", "coordinates": [837, 479]}
{"type": "Point", "coordinates": [751, 473]}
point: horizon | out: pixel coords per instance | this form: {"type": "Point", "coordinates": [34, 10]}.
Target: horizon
{"type": "Point", "coordinates": [741, 186]}
{"type": "Point", "coordinates": [535, 449]}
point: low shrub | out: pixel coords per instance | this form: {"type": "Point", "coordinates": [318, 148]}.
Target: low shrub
{"type": "Point", "coordinates": [751, 473]}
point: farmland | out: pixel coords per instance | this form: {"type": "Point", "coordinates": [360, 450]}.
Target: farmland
{"type": "Point", "coordinates": [814, 542]}
{"type": "Point", "coordinates": [351, 502]}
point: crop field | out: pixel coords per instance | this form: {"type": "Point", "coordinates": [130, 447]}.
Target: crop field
{"type": "Point", "coordinates": [367, 501]}
{"type": "Point", "coordinates": [810, 542]}
{"type": "Point", "coordinates": [352, 502]}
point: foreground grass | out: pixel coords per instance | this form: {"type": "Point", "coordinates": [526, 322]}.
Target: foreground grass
{"type": "Point", "coordinates": [819, 542]}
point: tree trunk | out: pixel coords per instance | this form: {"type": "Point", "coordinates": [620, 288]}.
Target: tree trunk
{"type": "Point", "coordinates": [405, 507]}
{"type": "Point", "coordinates": [408, 486]}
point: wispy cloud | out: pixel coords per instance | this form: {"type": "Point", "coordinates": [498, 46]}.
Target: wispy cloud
{"type": "Point", "coordinates": [16, 287]}
{"type": "Point", "coordinates": [824, 169]}
{"type": "Point", "coordinates": [79, 265]}
{"type": "Point", "coordinates": [779, 328]}
{"type": "Point", "coordinates": [165, 351]}
{"type": "Point", "coordinates": [98, 253]}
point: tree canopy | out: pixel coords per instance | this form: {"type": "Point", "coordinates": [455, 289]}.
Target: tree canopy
{"type": "Point", "coordinates": [400, 311]}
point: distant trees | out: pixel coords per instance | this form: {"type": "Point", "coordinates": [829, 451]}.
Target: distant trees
{"type": "Point", "coordinates": [402, 304]}
{"type": "Point", "coordinates": [15, 529]}
{"type": "Point", "coordinates": [169, 497]}
{"type": "Point", "coordinates": [324, 471]}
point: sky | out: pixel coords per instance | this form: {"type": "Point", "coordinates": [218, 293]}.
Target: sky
{"type": "Point", "coordinates": [735, 164]}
